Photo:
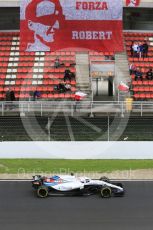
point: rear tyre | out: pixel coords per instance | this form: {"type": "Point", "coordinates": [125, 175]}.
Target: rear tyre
{"type": "Point", "coordinates": [42, 192]}
{"type": "Point", "coordinates": [106, 192]}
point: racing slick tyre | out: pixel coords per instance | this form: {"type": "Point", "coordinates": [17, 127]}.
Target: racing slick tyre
{"type": "Point", "coordinates": [106, 192]}
{"type": "Point", "coordinates": [105, 179]}
{"type": "Point", "coordinates": [42, 192]}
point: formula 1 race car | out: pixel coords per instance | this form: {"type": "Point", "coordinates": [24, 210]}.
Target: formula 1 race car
{"type": "Point", "coordinates": [69, 185]}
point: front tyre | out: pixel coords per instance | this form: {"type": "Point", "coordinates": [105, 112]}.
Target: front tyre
{"type": "Point", "coordinates": [42, 192]}
{"type": "Point", "coordinates": [106, 192]}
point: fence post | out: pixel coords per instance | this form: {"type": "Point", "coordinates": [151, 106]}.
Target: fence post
{"type": "Point", "coordinates": [28, 107]}
{"type": "Point", "coordinates": [108, 138]}
{"type": "Point", "coordinates": [21, 107]}
{"type": "Point", "coordinates": [141, 110]}
{"type": "Point", "coordinates": [49, 126]}
{"type": "Point", "coordinates": [41, 110]}
{"type": "Point", "coordinates": [2, 109]}
{"type": "Point", "coordinates": [118, 96]}
{"type": "Point", "coordinates": [122, 109]}
{"type": "Point", "coordinates": [91, 107]}
{"type": "Point", "coordinates": [72, 110]}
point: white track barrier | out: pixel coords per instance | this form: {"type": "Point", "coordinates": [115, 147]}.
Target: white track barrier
{"type": "Point", "coordinates": [77, 150]}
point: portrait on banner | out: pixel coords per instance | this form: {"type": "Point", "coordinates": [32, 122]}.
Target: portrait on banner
{"type": "Point", "coordinates": [50, 25]}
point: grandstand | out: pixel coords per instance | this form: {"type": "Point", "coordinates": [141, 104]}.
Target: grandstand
{"type": "Point", "coordinates": [24, 72]}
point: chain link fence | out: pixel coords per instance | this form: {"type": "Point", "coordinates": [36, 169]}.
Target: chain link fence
{"type": "Point", "coordinates": [67, 128]}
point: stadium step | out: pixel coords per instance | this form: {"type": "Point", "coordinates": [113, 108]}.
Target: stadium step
{"type": "Point", "coordinates": [82, 73]}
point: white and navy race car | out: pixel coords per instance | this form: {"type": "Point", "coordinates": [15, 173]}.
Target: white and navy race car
{"type": "Point", "coordinates": [69, 185]}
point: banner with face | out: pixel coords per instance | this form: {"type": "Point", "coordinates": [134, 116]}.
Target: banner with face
{"type": "Point", "coordinates": [49, 25]}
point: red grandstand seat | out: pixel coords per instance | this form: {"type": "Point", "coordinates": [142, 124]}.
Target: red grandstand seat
{"type": "Point", "coordinates": [151, 59]}
{"type": "Point", "coordinates": [134, 83]}
{"type": "Point", "coordinates": [141, 89]}
{"type": "Point", "coordinates": [1, 82]}
{"type": "Point", "coordinates": [16, 89]}
{"type": "Point", "coordinates": [2, 95]}
{"type": "Point", "coordinates": [56, 96]}
{"type": "Point", "coordinates": [18, 82]}
{"type": "Point", "coordinates": [50, 96]}
{"type": "Point", "coordinates": [145, 82]}
{"type": "Point", "coordinates": [44, 88]}
{"type": "Point", "coordinates": [61, 95]}
{"type": "Point", "coordinates": [148, 96]}
{"type": "Point", "coordinates": [146, 59]}
{"type": "Point", "coordinates": [139, 82]}
{"type": "Point", "coordinates": [67, 96]}
{"type": "Point", "coordinates": [44, 95]}
{"type": "Point", "coordinates": [73, 96]}
{"type": "Point", "coordinates": [142, 95]}
{"type": "Point", "coordinates": [151, 89]}
{"type": "Point", "coordinates": [50, 88]}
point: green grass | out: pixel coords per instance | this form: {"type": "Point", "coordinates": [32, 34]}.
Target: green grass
{"type": "Point", "coordinates": [66, 166]}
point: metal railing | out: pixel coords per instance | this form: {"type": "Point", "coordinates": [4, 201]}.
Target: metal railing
{"type": "Point", "coordinates": [82, 107]}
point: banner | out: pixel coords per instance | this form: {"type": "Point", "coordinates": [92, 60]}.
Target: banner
{"type": "Point", "coordinates": [49, 25]}
{"type": "Point", "coordinates": [132, 3]}
{"type": "Point", "coordinates": [102, 70]}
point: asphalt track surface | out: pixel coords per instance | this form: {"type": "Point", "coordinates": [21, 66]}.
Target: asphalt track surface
{"type": "Point", "coordinates": [20, 209]}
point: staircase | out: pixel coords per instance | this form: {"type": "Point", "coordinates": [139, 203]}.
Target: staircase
{"type": "Point", "coordinates": [83, 80]}
{"type": "Point", "coordinates": [121, 72]}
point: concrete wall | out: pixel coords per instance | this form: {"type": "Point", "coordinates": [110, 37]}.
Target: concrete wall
{"type": "Point", "coordinates": [77, 150]}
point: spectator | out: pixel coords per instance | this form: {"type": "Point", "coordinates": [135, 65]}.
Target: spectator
{"type": "Point", "coordinates": [140, 49]}
{"type": "Point", "coordinates": [36, 95]}
{"type": "Point", "coordinates": [138, 75]}
{"type": "Point", "coordinates": [67, 75]}
{"type": "Point", "coordinates": [68, 87]}
{"type": "Point", "coordinates": [135, 49]}
{"type": "Point", "coordinates": [8, 99]}
{"type": "Point", "coordinates": [132, 69]}
{"type": "Point", "coordinates": [145, 49]}
{"type": "Point", "coordinates": [57, 63]}
{"type": "Point", "coordinates": [62, 87]}
{"type": "Point", "coordinates": [149, 75]}
{"type": "Point", "coordinates": [12, 95]}
{"type": "Point", "coordinates": [131, 49]}
{"type": "Point", "coordinates": [8, 95]}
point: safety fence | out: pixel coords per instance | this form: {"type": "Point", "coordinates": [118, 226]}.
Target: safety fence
{"type": "Point", "coordinates": [73, 108]}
